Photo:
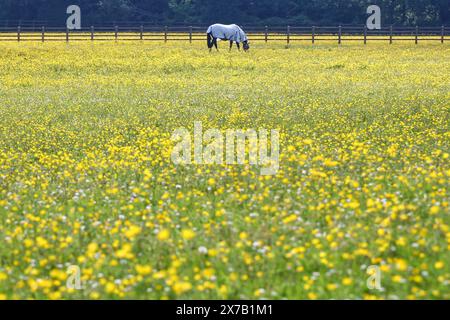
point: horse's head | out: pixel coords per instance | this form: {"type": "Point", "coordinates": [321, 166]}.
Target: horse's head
{"type": "Point", "coordinates": [246, 45]}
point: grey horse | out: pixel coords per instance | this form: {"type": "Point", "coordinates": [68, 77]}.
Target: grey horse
{"type": "Point", "coordinates": [231, 32]}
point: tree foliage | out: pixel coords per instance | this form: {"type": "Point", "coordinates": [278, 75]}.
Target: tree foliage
{"type": "Point", "coordinates": [271, 12]}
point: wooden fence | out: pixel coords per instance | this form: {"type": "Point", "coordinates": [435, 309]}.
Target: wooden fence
{"type": "Point", "coordinates": [190, 33]}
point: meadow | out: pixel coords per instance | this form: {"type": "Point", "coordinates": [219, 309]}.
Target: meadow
{"type": "Point", "coordinates": [86, 177]}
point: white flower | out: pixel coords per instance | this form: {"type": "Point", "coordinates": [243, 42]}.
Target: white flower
{"type": "Point", "coordinates": [203, 250]}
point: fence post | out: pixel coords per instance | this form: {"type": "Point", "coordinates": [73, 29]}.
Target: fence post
{"type": "Point", "coordinates": [92, 33]}
{"type": "Point", "coordinates": [288, 34]}
{"type": "Point", "coordinates": [18, 33]}
{"type": "Point", "coordinates": [67, 35]}
{"type": "Point", "coordinates": [266, 34]}
{"type": "Point", "coordinates": [165, 33]}
{"type": "Point", "coordinates": [390, 35]}
{"type": "Point", "coordinates": [190, 34]}
{"type": "Point", "coordinates": [313, 35]}
{"type": "Point", "coordinates": [365, 34]}
{"type": "Point", "coordinates": [340, 35]}
{"type": "Point", "coordinates": [43, 34]}
{"type": "Point", "coordinates": [417, 35]}
{"type": "Point", "coordinates": [141, 34]}
{"type": "Point", "coordinates": [442, 34]}
{"type": "Point", "coordinates": [116, 31]}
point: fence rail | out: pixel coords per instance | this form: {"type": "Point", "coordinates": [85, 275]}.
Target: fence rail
{"type": "Point", "coordinates": [195, 33]}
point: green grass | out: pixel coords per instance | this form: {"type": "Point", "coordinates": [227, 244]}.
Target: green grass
{"type": "Point", "coordinates": [86, 177]}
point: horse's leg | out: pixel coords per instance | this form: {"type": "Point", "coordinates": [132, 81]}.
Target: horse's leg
{"type": "Point", "coordinates": [231, 44]}
{"type": "Point", "coordinates": [215, 44]}
{"type": "Point", "coordinates": [239, 46]}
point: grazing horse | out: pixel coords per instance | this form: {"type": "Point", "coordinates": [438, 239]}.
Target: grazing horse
{"type": "Point", "coordinates": [231, 32]}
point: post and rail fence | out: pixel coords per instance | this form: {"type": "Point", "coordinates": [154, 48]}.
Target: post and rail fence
{"type": "Point", "coordinates": [288, 34]}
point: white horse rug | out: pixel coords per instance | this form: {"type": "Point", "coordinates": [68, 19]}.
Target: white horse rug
{"type": "Point", "coordinates": [230, 32]}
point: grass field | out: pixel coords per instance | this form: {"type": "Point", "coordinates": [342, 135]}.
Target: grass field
{"type": "Point", "coordinates": [86, 177]}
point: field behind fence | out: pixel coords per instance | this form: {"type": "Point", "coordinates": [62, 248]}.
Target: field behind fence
{"type": "Point", "coordinates": [261, 34]}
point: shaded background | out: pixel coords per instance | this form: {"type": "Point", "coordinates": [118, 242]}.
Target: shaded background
{"type": "Point", "coordinates": [264, 12]}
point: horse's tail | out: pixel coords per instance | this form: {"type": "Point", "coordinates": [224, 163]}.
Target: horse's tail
{"type": "Point", "coordinates": [209, 40]}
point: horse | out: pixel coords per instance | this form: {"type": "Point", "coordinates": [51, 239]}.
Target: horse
{"type": "Point", "coordinates": [231, 32]}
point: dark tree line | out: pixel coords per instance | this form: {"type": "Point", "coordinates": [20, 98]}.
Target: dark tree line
{"type": "Point", "coordinates": [268, 12]}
